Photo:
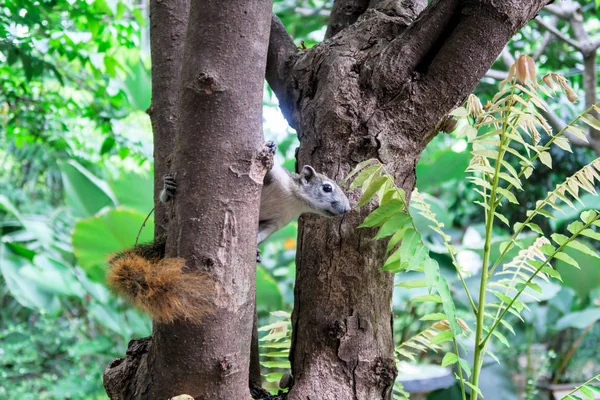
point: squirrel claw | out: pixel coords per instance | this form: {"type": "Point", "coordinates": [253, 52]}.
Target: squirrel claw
{"type": "Point", "coordinates": [258, 258]}
{"type": "Point", "coordinates": [271, 146]}
{"type": "Point", "coordinates": [169, 188]}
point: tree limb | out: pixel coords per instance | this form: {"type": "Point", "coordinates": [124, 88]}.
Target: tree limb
{"type": "Point", "coordinates": [546, 40]}
{"type": "Point", "coordinates": [495, 20]}
{"type": "Point", "coordinates": [168, 24]}
{"type": "Point", "coordinates": [562, 9]}
{"type": "Point", "coordinates": [558, 34]}
{"type": "Point", "coordinates": [507, 57]}
{"type": "Point", "coordinates": [279, 56]}
{"type": "Point", "coordinates": [217, 164]}
{"type": "Point", "coordinates": [496, 74]}
{"type": "Point", "coordinates": [343, 14]}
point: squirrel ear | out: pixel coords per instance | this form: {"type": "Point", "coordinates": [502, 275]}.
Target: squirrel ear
{"type": "Point", "coordinates": [307, 173]}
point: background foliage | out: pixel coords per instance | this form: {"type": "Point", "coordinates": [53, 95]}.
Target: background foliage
{"type": "Point", "coordinates": [75, 186]}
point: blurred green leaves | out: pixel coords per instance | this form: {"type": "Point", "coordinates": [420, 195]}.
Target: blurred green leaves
{"type": "Point", "coordinates": [96, 238]}
{"type": "Point", "coordinates": [85, 194]}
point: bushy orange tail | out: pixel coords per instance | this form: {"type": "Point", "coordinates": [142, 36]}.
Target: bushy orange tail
{"type": "Point", "coordinates": [160, 287]}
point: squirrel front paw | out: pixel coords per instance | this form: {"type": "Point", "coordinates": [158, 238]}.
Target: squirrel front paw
{"type": "Point", "coordinates": [169, 188]}
{"type": "Point", "coordinates": [271, 146]}
{"type": "Point", "coordinates": [267, 154]}
{"type": "Point", "coordinates": [258, 257]}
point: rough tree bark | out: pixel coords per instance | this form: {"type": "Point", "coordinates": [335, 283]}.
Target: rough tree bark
{"type": "Point", "coordinates": [377, 88]}
{"type": "Point", "coordinates": [168, 25]}
{"type": "Point", "coordinates": [217, 163]}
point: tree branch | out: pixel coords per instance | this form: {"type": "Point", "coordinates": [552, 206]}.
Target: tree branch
{"type": "Point", "coordinates": [343, 14]}
{"type": "Point", "coordinates": [562, 9]}
{"type": "Point", "coordinates": [496, 74]}
{"type": "Point", "coordinates": [416, 45]}
{"type": "Point", "coordinates": [216, 161]}
{"type": "Point", "coordinates": [507, 58]}
{"type": "Point", "coordinates": [495, 20]}
{"type": "Point", "coordinates": [558, 34]}
{"type": "Point", "coordinates": [279, 58]}
{"type": "Point", "coordinates": [399, 8]}
{"type": "Point", "coordinates": [546, 40]}
{"type": "Point", "coordinates": [168, 24]}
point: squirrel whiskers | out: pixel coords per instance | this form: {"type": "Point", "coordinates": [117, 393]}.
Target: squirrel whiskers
{"type": "Point", "coordinates": [160, 287]}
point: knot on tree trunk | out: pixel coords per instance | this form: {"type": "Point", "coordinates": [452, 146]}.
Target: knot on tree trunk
{"type": "Point", "coordinates": [120, 374]}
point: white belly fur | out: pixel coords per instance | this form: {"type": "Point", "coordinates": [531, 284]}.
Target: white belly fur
{"type": "Point", "coordinates": [279, 204]}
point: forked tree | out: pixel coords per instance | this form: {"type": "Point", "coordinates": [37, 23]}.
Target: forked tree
{"type": "Point", "coordinates": [379, 86]}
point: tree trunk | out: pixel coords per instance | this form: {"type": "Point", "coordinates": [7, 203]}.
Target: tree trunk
{"type": "Point", "coordinates": [217, 162]}
{"type": "Point", "coordinates": [377, 89]}
{"type": "Point", "coordinates": [168, 25]}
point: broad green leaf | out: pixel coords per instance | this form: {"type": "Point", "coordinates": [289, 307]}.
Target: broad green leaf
{"type": "Point", "coordinates": [395, 239]}
{"type": "Point", "coordinates": [551, 272]}
{"type": "Point", "coordinates": [442, 337]}
{"type": "Point", "coordinates": [434, 298]}
{"type": "Point", "coordinates": [448, 304]}
{"type": "Point", "coordinates": [382, 213]}
{"type": "Point", "coordinates": [432, 273]}
{"type": "Point", "coordinates": [85, 194]}
{"type": "Point", "coordinates": [508, 195]}
{"type": "Point", "coordinates": [546, 159]}
{"type": "Point", "coordinates": [591, 234]}
{"type": "Point", "coordinates": [532, 285]}
{"type": "Point", "coordinates": [273, 377]}
{"type": "Point", "coordinates": [578, 319]}
{"type": "Point", "coordinates": [441, 166]}
{"type": "Point", "coordinates": [395, 223]}
{"type": "Point", "coordinates": [583, 280]}
{"type": "Point", "coordinates": [582, 248]}
{"type": "Point", "coordinates": [588, 393]}
{"type": "Point", "coordinates": [24, 291]}
{"type": "Point", "coordinates": [268, 294]}
{"type": "Point", "coordinates": [364, 175]}
{"type": "Point", "coordinates": [134, 190]}
{"type": "Point", "coordinates": [464, 364]}
{"type": "Point", "coordinates": [96, 238]}
{"type": "Point", "coordinates": [589, 216]}
{"type": "Point", "coordinates": [563, 143]}
{"type": "Point", "coordinates": [371, 189]}
{"type": "Point", "coordinates": [433, 317]}
{"type": "Point", "coordinates": [449, 359]}
{"type": "Point", "coordinates": [138, 84]}
{"type": "Point", "coordinates": [52, 276]}
{"type": "Point", "coordinates": [567, 258]}
{"type": "Point", "coordinates": [575, 227]}
{"type": "Point", "coordinates": [109, 318]}
{"type": "Point", "coordinates": [412, 284]}
{"type": "Point", "coordinates": [357, 169]}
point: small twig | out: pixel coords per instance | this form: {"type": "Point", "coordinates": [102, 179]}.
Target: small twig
{"type": "Point", "coordinates": [565, 362]}
{"type": "Point", "coordinates": [558, 33]}
{"type": "Point", "coordinates": [142, 227]}
{"type": "Point", "coordinates": [546, 40]}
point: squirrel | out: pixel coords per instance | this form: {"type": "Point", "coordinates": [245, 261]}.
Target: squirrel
{"type": "Point", "coordinates": [164, 289]}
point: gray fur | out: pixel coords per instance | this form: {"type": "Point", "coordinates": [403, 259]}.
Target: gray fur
{"type": "Point", "coordinates": [286, 195]}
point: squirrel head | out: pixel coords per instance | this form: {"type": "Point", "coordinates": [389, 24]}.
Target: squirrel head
{"type": "Point", "coordinates": [322, 195]}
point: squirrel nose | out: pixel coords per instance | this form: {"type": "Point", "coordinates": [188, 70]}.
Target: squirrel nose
{"type": "Point", "coordinates": [347, 207]}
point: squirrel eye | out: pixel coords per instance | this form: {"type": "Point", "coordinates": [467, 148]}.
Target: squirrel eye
{"type": "Point", "coordinates": [327, 188]}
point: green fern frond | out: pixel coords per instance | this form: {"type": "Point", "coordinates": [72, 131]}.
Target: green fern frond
{"type": "Point", "coordinates": [589, 389]}
{"type": "Point", "coordinates": [275, 346]}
